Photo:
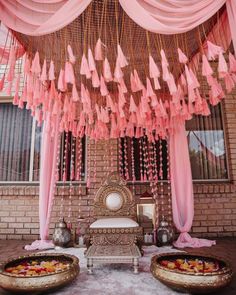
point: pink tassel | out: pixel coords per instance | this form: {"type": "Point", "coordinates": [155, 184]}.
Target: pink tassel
{"type": "Point", "coordinates": [103, 88]}
{"type": "Point", "coordinates": [156, 83]}
{"type": "Point", "coordinates": [2, 81]}
{"type": "Point", "coordinates": [188, 76]}
{"type": "Point", "coordinates": [98, 50]}
{"type": "Point", "coordinates": [121, 59]}
{"type": "Point", "coordinates": [190, 107]}
{"type": "Point", "coordinates": [191, 94]}
{"type": "Point", "coordinates": [213, 50]}
{"type": "Point", "coordinates": [138, 82]}
{"type": "Point", "coordinates": [132, 106]}
{"type": "Point", "coordinates": [21, 104]}
{"type": "Point", "coordinates": [8, 89]}
{"type": "Point", "coordinates": [110, 103]}
{"type": "Point", "coordinates": [43, 76]}
{"type": "Point", "coordinates": [222, 66]}
{"type": "Point", "coordinates": [36, 68]}
{"type": "Point", "coordinates": [162, 109]}
{"type": "Point", "coordinates": [206, 68]}
{"type": "Point", "coordinates": [171, 84]}
{"type": "Point", "coordinates": [133, 83]}
{"type": "Point", "coordinates": [123, 86]}
{"type": "Point", "coordinates": [24, 93]}
{"type": "Point", "coordinates": [69, 73]}
{"type": "Point", "coordinates": [11, 62]}
{"type": "Point", "coordinates": [182, 57]}
{"type": "Point", "coordinates": [153, 68]}
{"type": "Point", "coordinates": [164, 65]}
{"type": "Point", "coordinates": [205, 108]}
{"type": "Point", "coordinates": [84, 67]}
{"type": "Point", "coordinates": [95, 79]}
{"type": "Point", "coordinates": [107, 71]}
{"type": "Point", "coordinates": [194, 79]}
{"type": "Point", "coordinates": [150, 91]}
{"type": "Point", "coordinates": [61, 84]}
{"type": "Point", "coordinates": [229, 82]}
{"type": "Point", "coordinates": [27, 64]}
{"type": "Point", "coordinates": [163, 58]}
{"type": "Point", "coordinates": [91, 62]}
{"type": "Point", "coordinates": [16, 96]}
{"type": "Point", "coordinates": [154, 101]}
{"type": "Point", "coordinates": [16, 99]}
{"type": "Point", "coordinates": [51, 74]}
{"type": "Point", "coordinates": [183, 80]}
{"type": "Point", "coordinates": [118, 74]}
{"type": "Point", "coordinates": [232, 63]}
{"type": "Point", "coordinates": [71, 54]}
{"type": "Point", "coordinates": [75, 95]}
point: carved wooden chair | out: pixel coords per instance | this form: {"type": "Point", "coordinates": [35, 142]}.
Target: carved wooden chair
{"type": "Point", "coordinates": [116, 215]}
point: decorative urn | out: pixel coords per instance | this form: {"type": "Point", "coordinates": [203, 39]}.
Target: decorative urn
{"type": "Point", "coordinates": [62, 234]}
{"type": "Point", "coordinates": [165, 234]}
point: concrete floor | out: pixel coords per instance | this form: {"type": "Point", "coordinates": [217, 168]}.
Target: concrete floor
{"type": "Point", "coordinates": [225, 248]}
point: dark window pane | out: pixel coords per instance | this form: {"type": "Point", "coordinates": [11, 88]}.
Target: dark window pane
{"type": "Point", "coordinates": [37, 148]}
{"type": "Point", "coordinates": [207, 146]}
{"type": "Point", "coordinates": [15, 143]}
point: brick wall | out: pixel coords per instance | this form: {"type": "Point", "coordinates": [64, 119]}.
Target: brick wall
{"type": "Point", "coordinates": [215, 203]}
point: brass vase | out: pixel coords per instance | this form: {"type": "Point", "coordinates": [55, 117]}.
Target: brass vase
{"type": "Point", "coordinates": [62, 234]}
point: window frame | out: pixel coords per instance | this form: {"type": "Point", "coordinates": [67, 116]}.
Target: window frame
{"type": "Point", "coordinates": [31, 182]}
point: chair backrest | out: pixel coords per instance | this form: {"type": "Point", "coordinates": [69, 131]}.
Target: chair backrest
{"type": "Point", "coordinates": [114, 199]}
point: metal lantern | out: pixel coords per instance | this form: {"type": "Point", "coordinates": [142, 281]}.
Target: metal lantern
{"type": "Point", "coordinates": [80, 232]}
{"type": "Point", "coordinates": [62, 234]}
{"type": "Point", "coordinates": [165, 234]}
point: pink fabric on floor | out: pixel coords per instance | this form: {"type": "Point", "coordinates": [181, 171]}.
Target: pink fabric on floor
{"type": "Point", "coordinates": [182, 189]}
{"type": "Point", "coordinates": [47, 180]}
{"type": "Point", "coordinates": [40, 245]}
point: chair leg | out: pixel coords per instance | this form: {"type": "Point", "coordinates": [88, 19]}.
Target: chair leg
{"type": "Point", "coordinates": [90, 266]}
{"type": "Point", "coordinates": [136, 265]}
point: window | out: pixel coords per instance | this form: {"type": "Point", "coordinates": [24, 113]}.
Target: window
{"type": "Point", "coordinates": [206, 148]}
{"type": "Point", "coordinates": [142, 150]}
{"type": "Point", "coordinates": [20, 146]}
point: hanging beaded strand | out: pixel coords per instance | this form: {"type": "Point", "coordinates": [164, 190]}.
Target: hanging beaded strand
{"type": "Point", "coordinates": [169, 213]}
{"type": "Point", "coordinates": [126, 159]}
{"type": "Point", "coordinates": [155, 194]}
{"type": "Point", "coordinates": [145, 154]}
{"type": "Point", "coordinates": [57, 177]}
{"type": "Point", "coordinates": [88, 163]}
{"type": "Point", "coordinates": [79, 171]}
{"type": "Point", "coordinates": [95, 163]}
{"type": "Point", "coordinates": [133, 165]}
{"type": "Point", "coordinates": [141, 158]}
{"type": "Point", "coordinates": [161, 178]}
{"type": "Point", "coordinates": [71, 180]}
{"type": "Point", "coordinates": [121, 158]}
{"type": "Point", "coordinates": [64, 174]}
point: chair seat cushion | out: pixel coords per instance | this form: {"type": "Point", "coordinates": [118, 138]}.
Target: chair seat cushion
{"type": "Point", "coordinates": [116, 222]}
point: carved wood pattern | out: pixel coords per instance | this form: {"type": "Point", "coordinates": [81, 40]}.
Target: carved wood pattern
{"type": "Point", "coordinates": [114, 184]}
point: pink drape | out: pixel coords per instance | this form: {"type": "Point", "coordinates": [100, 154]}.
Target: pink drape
{"type": "Point", "coordinates": [37, 18]}
{"type": "Point", "coordinates": [170, 16]}
{"type": "Point", "coordinates": [47, 181]}
{"type": "Point", "coordinates": [182, 189]}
